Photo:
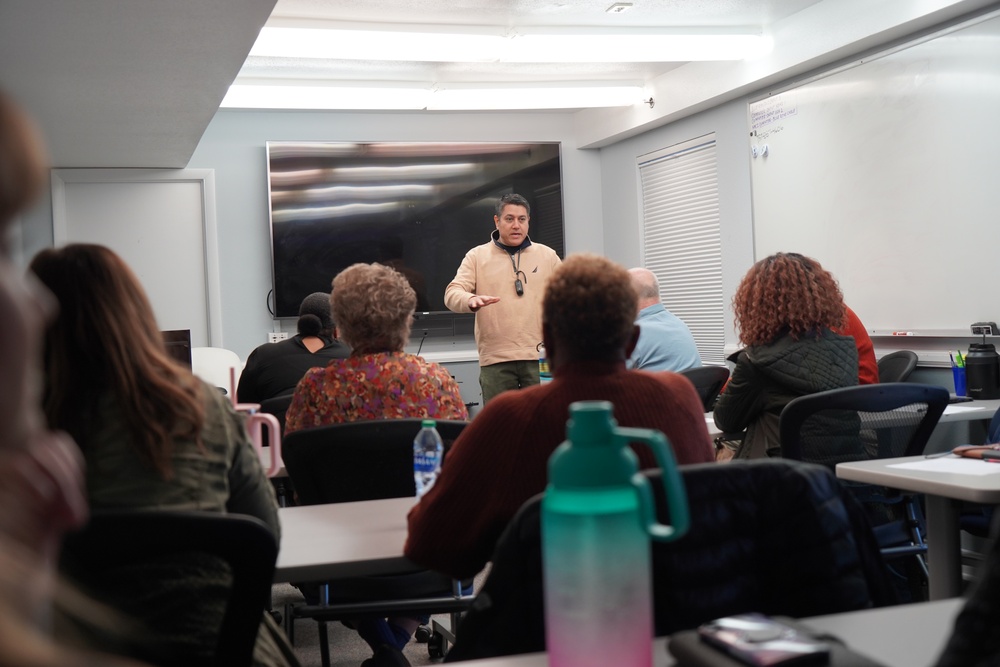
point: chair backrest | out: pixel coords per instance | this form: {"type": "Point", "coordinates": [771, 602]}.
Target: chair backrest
{"type": "Point", "coordinates": [213, 364]}
{"type": "Point", "coordinates": [773, 536]}
{"type": "Point", "coordinates": [896, 366]}
{"type": "Point", "coordinates": [708, 381]}
{"type": "Point", "coordinates": [361, 460]}
{"type": "Point", "coordinates": [107, 556]}
{"type": "Point", "coordinates": [277, 406]}
{"type": "Point", "coordinates": [859, 423]}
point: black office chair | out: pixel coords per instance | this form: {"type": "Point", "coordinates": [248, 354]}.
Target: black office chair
{"type": "Point", "coordinates": [140, 562]}
{"type": "Point", "coordinates": [870, 422]}
{"type": "Point", "coordinates": [708, 381]}
{"type": "Point", "coordinates": [896, 366]}
{"type": "Point", "coordinates": [369, 460]}
{"type": "Point", "coordinates": [772, 536]}
{"type": "Point", "coordinates": [277, 406]}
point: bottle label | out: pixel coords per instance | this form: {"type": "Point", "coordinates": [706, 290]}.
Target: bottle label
{"type": "Point", "coordinates": [425, 462]}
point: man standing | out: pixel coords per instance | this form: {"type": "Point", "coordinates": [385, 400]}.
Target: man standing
{"type": "Point", "coordinates": [502, 282]}
{"type": "Point", "coordinates": [665, 342]}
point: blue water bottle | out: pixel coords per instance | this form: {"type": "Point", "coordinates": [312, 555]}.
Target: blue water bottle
{"type": "Point", "coordinates": [598, 517]}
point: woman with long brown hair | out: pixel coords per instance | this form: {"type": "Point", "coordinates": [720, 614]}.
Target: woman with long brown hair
{"type": "Point", "coordinates": [153, 435]}
{"type": "Point", "coordinates": [786, 309]}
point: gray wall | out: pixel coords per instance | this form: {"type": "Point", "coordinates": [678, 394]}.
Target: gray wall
{"type": "Point", "coordinates": [233, 145]}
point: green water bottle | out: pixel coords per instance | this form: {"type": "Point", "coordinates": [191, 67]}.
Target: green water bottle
{"type": "Point", "coordinates": [598, 517]}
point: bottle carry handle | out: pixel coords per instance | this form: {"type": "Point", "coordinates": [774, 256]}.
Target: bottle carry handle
{"type": "Point", "coordinates": [673, 484]}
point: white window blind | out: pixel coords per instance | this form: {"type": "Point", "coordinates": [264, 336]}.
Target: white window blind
{"type": "Point", "coordinates": [681, 238]}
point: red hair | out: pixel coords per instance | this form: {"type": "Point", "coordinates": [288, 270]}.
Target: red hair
{"type": "Point", "coordinates": [786, 293]}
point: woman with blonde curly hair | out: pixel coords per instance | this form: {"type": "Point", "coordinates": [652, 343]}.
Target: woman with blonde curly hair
{"type": "Point", "coordinates": [787, 308]}
{"type": "Point", "coordinates": [373, 307]}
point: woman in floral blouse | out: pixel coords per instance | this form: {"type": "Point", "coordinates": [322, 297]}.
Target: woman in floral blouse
{"type": "Point", "coordinates": [373, 306]}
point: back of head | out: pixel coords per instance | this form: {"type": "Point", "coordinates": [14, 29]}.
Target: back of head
{"type": "Point", "coordinates": [314, 315]}
{"type": "Point", "coordinates": [786, 293]}
{"type": "Point", "coordinates": [646, 285]}
{"type": "Point", "coordinates": [372, 305]}
{"type": "Point", "coordinates": [22, 160]}
{"type": "Point", "coordinates": [589, 308]}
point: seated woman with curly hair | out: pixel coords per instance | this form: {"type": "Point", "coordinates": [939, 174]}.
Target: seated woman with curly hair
{"type": "Point", "coordinates": [786, 309]}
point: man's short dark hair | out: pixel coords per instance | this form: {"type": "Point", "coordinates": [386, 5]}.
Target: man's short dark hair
{"type": "Point", "coordinates": [516, 200]}
{"type": "Point", "coordinates": [590, 307]}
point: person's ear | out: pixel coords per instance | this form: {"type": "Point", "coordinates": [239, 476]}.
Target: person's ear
{"type": "Point", "coordinates": [632, 341]}
{"type": "Point", "coordinates": [496, 221]}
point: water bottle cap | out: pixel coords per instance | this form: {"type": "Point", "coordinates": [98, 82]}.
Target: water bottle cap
{"type": "Point", "coordinates": [592, 456]}
{"type": "Point", "coordinates": [428, 423]}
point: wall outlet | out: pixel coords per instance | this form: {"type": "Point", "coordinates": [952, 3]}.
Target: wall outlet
{"type": "Point", "coordinates": [275, 336]}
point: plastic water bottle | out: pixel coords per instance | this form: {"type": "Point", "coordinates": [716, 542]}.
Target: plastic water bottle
{"type": "Point", "coordinates": [428, 451]}
{"type": "Point", "coordinates": [544, 374]}
{"type": "Point", "coordinates": [598, 516]}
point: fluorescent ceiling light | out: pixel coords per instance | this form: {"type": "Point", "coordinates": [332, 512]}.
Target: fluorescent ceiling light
{"type": "Point", "coordinates": [494, 44]}
{"type": "Point", "coordinates": [552, 96]}
{"type": "Point", "coordinates": [326, 96]}
{"type": "Point", "coordinates": [453, 97]}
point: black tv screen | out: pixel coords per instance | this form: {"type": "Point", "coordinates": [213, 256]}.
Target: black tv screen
{"type": "Point", "coordinates": [418, 207]}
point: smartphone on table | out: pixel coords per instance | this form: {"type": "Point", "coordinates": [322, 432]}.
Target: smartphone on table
{"type": "Point", "coordinates": [760, 641]}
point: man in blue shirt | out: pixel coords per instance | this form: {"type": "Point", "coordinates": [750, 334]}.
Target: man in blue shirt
{"type": "Point", "coordinates": [665, 342]}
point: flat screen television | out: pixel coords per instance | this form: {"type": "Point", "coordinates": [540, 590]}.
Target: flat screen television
{"type": "Point", "coordinates": [418, 207]}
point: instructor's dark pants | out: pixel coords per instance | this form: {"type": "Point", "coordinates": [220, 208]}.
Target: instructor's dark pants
{"type": "Point", "coordinates": [497, 378]}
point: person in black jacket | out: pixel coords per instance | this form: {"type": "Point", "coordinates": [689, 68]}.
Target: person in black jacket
{"type": "Point", "coordinates": [787, 308]}
{"type": "Point", "coordinates": [273, 369]}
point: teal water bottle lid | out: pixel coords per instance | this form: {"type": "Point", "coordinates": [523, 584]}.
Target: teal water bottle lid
{"type": "Point", "coordinates": [428, 423]}
{"type": "Point", "coordinates": [592, 456]}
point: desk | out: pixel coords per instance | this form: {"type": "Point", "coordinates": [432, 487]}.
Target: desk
{"type": "Point", "coordinates": [910, 635]}
{"type": "Point", "coordinates": [971, 411]}
{"type": "Point", "coordinates": [944, 481]}
{"type": "Point", "coordinates": [343, 540]}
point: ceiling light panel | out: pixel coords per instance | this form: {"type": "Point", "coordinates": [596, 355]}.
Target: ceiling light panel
{"type": "Point", "coordinates": [495, 44]}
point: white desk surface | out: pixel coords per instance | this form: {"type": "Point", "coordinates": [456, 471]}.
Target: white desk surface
{"type": "Point", "coordinates": [948, 476]}
{"type": "Point", "coordinates": [971, 411]}
{"type": "Point", "coordinates": [954, 412]}
{"type": "Point", "coordinates": [903, 636]}
{"type": "Point", "coordinates": [944, 481]}
{"type": "Point", "coordinates": [342, 540]}
{"type": "Point", "coordinates": [265, 460]}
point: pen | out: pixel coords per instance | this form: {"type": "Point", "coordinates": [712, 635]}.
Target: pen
{"type": "Point", "coordinates": [952, 357]}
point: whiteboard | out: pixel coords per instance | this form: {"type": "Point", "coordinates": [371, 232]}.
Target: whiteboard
{"type": "Point", "coordinates": [888, 172]}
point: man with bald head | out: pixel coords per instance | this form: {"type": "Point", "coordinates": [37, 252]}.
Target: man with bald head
{"type": "Point", "coordinates": [665, 342]}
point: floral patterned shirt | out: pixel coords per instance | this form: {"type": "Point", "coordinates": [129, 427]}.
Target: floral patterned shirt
{"type": "Point", "coordinates": [385, 385]}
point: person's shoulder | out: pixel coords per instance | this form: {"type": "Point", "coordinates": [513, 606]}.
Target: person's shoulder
{"type": "Point", "coordinates": [660, 381]}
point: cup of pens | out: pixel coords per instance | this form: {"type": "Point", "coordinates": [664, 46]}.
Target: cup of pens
{"type": "Point", "coordinates": [958, 373]}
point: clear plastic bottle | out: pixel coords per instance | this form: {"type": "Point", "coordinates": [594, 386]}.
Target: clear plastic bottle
{"type": "Point", "coordinates": [428, 451]}
{"type": "Point", "coordinates": [598, 516]}
{"type": "Point", "coordinates": [544, 373]}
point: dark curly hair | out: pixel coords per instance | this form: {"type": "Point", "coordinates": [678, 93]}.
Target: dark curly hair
{"type": "Point", "coordinates": [590, 308]}
{"type": "Point", "coordinates": [787, 293]}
